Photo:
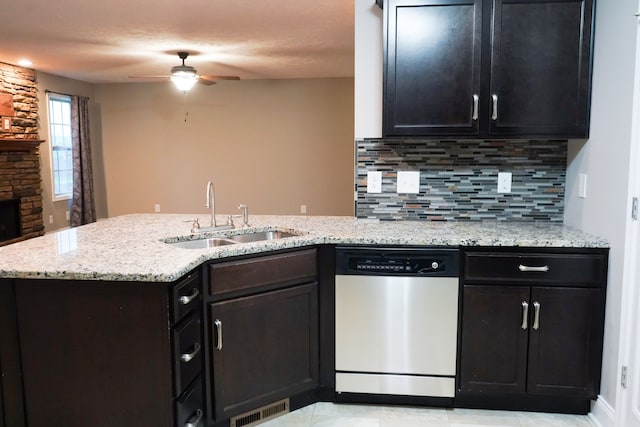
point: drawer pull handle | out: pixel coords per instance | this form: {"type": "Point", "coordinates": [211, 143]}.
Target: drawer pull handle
{"type": "Point", "coordinates": [494, 102]}
{"type": "Point", "coordinates": [527, 268]}
{"type": "Point", "coordinates": [186, 299]}
{"type": "Point", "coordinates": [474, 115]}
{"type": "Point", "coordinates": [187, 357]}
{"type": "Point", "coordinates": [194, 421]}
{"type": "Point", "coordinates": [218, 324]}
{"type": "Point", "coordinates": [536, 315]}
{"type": "Point", "coordinates": [525, 315]}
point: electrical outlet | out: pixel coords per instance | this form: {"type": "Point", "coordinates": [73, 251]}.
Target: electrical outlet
{"type": "Point", "coordinates": [303, 209]}
{"type": "Point", "coordinates": [50, 219]}
{"type": "Point", "coordinates": [408, 182]}
{"type": "Point", "coordinates": [504, 182]}
{"type": "Point", "coordinates": [67, 216]}
{"type": "Point", "coordinates": [374, 182]}
{"type": "Point", "coordinates": [582, 186]}
{"type": "Point", "coordinates": [157, 207]}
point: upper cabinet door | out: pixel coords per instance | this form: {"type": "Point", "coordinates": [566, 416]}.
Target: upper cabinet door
{"type": "Point", "coordinates": [432, 67]}
{"type": "Point", "coordinates": [541, 68]}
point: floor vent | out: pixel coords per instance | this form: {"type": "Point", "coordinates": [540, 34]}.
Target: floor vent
{"type": "Point", "coordinates": [261, 415]}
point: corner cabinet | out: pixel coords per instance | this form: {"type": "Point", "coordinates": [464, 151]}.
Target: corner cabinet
{"type": "Point", "coordinates": [263, 335]}
{"type": "Point", "coordinates": [104, 354]}
{"type": "Point", "coordinates": [480, 69]}
{"type": "Point", "coordinates": [531, 329]}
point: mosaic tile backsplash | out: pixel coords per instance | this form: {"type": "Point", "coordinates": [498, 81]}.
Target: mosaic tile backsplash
{"type": "Point", "coordinates": [458, 180]}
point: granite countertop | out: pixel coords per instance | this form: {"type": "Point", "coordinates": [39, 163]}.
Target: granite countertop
{"type": "Point", "coordinates": [132, 248]}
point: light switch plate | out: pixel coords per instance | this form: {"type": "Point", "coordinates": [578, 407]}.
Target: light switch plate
{"type": "Point", "coordinates": [504, 182]}
{"type": "Point", "coordinates": [408, 182]}
{"type": "Point", "coordinates": [582, 186]}
{"type": "Point", "coordinates": [374, 182]}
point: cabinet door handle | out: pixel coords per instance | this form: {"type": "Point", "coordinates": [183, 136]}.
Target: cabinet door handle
{"type": "Point", "coordinates": [218, 324]}
{"type": "Point", "coordinates": [528, 268]}
{"type": "Point", "coordinates": [536, 315]}
{"type": "Point", "coordinates": [187, 357]}
{"type": "Point", "coordinates": [474, 115]}
{"type": "Point", "coordinates": [494, 103]}
{"type": "Point", "coordinates": [525, 315]}
{"type": "Point", "coordinates": [195, 419]}
{"type": "Point", "coordinates": [186, 299]}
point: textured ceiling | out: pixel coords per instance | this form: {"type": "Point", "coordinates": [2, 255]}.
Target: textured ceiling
{"type": "Point", "coordinates": [107, 41]}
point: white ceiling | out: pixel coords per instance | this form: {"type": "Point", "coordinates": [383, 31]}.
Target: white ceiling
{"type": "Point", "coordinates": [107, 41]}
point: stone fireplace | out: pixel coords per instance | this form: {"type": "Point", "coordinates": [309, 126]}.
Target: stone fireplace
{"type": "Point", "coordinates": [20, 181]}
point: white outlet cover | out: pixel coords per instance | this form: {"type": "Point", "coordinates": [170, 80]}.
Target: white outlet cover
{"type": "Point", "coordinates": [408, 182]}
{"type": "Point", "coordinates": [504, 182]}
{"type": "Point", "coordinates": [374, 182]}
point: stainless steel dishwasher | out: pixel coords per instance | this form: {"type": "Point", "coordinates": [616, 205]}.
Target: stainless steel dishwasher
{"type": "Point", "coordinates": [396, 321]}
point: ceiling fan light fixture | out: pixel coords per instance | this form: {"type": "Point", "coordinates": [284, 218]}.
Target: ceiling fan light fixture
{"type": "Point", "coordinates": [184, 77]}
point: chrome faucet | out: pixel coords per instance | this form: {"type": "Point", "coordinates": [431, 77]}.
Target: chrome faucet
{"type": "Point", "coordinates": [211, 202]}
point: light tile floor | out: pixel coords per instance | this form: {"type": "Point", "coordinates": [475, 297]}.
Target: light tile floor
{"type": "Point", "coordinates": [324, 414]}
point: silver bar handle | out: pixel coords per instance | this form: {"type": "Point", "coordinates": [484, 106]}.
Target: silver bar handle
{"type": "Point", "coordinates": [186, 299]}
{"type": "Point", "coordinates": [474, 115]}
{"type": "Point", "coordinates": [188, 357]}
{"type": "Point", "coordinates": [194, 421]}
{"type": "Point", "coordinates": [218, 324]}
{"type": "Point", "coordinates": [494, 103]}
{"type": "Point", "coordinates": [528, 268]}
{"type": "Point", "coordinates": [536, 315]}
{"type": "Point", "coordinates": [525, 314]}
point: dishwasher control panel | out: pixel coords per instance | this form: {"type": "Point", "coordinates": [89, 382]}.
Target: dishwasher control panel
{"type": "Point", "coordinates": [384, 261]}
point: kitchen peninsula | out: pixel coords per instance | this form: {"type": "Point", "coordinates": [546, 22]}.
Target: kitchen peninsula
{"type": "Point", "coordinates": [108, 324]}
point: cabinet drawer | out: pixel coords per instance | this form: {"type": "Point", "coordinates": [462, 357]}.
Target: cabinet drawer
{"type": "Point", "coordinates": [549, 268]}
{"type": "Point", "coordinates": [187, 353]}
{"type": "Point", "coordinates": [190, 407]}
{"type": "Point", "coordinates": [280, 269]}
{"type": "Point", "coordinates": [185, 296]}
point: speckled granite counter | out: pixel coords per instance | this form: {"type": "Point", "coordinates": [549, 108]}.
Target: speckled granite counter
{"type": "Point", "coordinates": [131, 247]}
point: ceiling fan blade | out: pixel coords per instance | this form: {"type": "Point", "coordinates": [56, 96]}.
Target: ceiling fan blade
{"type": "Point", "coordinates": [214, 78]}
{"type": "Point", "coordinates": [206, 82]}
{"type": "Point", "coordinates": [149, 77]}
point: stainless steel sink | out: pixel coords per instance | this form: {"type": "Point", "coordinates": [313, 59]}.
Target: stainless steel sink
{"type": "Point", "coordinates": [260, 235]}
{"type": "Point", "coordinates": [201, 243]}
{"type": "Point", "coordinates": [212, 242]}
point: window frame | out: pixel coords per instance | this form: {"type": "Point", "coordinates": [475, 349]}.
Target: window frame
{"type": "Point", "coordinates": [53, 146]}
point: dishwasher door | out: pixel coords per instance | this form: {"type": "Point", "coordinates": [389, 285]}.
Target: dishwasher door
{"type": "Point", "coordinates": [396, 334]}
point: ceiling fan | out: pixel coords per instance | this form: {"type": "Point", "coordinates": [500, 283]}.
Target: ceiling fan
{"type": "Point", "coordinates": [185, 76]}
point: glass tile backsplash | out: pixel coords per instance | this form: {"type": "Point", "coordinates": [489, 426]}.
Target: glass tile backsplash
{"type": "Point", "coordinates": [458, 180]}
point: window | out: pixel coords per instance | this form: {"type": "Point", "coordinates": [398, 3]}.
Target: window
{"type": "Point", "coordinates": [60, 138]}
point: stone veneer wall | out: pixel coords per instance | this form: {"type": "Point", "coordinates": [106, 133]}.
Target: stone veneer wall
{"type": "Point", "coordinates": [21, 83]}
{"type": "Point", "coordinates": [20, 169]}
{"type": "Point", "coordinates": [458, 180]}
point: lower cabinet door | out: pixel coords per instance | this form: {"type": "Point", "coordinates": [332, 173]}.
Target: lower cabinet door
{"type": "Point", "coordinates": [565, 341]}
{"type": "Point", "coordinates": [493, 352]}
{"type": "Point", "coordinates": [264, 348]}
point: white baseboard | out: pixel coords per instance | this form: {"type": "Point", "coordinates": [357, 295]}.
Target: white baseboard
{"type": "Point", "coordinates": [602, 413]}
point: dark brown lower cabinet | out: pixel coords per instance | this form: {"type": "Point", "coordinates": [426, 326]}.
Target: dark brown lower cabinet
{"type": "Point", "coordinates": [504, 351]}
{"type": "Point", "coordinates": [531, 330]}
{"type": "Point", "coordinates": [264, 348]}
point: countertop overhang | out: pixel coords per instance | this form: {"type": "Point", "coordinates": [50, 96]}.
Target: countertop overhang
{"type": "Point", "coordinates": [131, 247]}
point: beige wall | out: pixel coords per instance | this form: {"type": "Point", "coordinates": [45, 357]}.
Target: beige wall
{"type": "Point", "coordinates": [271, 144]}
{"type": "Point", "coordinates": [56, 211]}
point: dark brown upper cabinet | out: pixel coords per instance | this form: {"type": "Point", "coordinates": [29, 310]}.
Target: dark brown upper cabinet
{"type": "Point", "coordinates": [487, 69]}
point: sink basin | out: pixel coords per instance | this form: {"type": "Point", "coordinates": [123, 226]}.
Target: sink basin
{"type": "Point", "coordinates": [212, 242]}
{"type": "Point", "coordinates": [201, 243]}
{"type": "Point", "coordinates": [260, 235]}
